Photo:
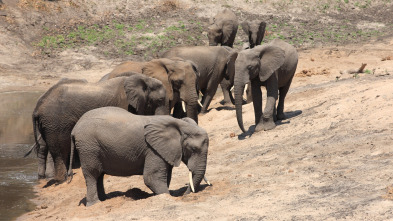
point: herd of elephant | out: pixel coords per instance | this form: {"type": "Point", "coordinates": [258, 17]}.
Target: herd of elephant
{"type": "Point", "coordinates": [122, 125]}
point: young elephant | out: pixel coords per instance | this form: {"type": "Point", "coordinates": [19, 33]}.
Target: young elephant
{"type": "Point", "coordinates": [272, 65]}
{"type": "Point", "coordinates": [58, 110]}
{"type": "Point", "coordinates": [255, 30]}
{"type": "Point", "coordinates": [223, 28]}
{"type": "Point", "coordinates": [112, 141]}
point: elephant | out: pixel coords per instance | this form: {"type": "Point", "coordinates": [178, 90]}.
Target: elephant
{"type": "Point", "coordinates": [223, 28]}
{"type": "Point", "coordinates": [272, 65]}
{"type": "Point", "coordinates": [255, 30]}
{"type": "Point", "coordinates": [178, 76]}
{"type": "Point", "coordinates": [110, 140]}
{"type": "Point", "coordinates": [214, 64]}
{"type": "Point", "coordinates": [58, 110]}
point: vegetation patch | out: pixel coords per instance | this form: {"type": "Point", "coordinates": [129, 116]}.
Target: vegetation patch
{"type": "Point", "coordinates": [144, 37]}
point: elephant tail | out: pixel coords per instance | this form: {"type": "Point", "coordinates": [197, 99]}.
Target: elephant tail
{"type": "Point", "coordinates": [36, 145]}
{"type": "Point", "coordinates": [70, 174]}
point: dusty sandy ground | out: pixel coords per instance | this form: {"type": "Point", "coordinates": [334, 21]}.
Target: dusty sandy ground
{"type": "Point", "coordinates": [330, 160]}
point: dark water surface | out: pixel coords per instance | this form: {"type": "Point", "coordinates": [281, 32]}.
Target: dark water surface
{"type": "Point", "coordinates": [18, 175]}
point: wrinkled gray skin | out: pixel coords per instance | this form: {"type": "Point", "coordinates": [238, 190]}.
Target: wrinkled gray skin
{"type": "Point", "coordinates": [255, 30]}
{"type": "Point", "coordinates": [178, 76]}
{"type": "Point", "coordinates": [112, 141]}
{"type": "Point", "coordinates": [272, 65]}
{"type": "Point", "coordinates": [214, 64]}
{"type": "Point", "coordinates": [58, 110]}
{"type": "Point", "coordinates": [223, 28]}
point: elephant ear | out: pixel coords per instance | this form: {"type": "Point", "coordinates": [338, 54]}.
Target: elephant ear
{"type": "Point", "coordinates": [261, 32]}
{"type": "Point", "coordinates": [231, 65]}
{"type": "Point", "coordinates": [157, 68]}
{"type": "Point", "coordinates": [272, 58]}
{"type": "Point", "coordinates": [227, 30]}
{"type": "Point", "coordinates": [245, 27]}
{"type": "Point", "coordinates": [164, 137]}
{"type": "Point", "coordinates": [135, 88]}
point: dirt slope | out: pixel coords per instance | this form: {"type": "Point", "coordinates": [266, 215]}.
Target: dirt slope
{"type": "Point", "coordinates": [331, 159]}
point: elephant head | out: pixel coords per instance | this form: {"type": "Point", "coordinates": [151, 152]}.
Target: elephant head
{"type": "Point", "coordinates": [180, 140]}
{"type": "Point", "coordinates": [223, 28]}
{"type": "Point", "coordinates": [261, 62]}
{"type": "Point", "coordinates": [255, 31]}
{"type": "Point", "coordinates": [145, 95]}
{"type": "Point", "coordinates": [179, 78]}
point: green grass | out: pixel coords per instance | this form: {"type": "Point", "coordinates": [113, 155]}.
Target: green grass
{"type": "Point", "coordinates": [123, 38]}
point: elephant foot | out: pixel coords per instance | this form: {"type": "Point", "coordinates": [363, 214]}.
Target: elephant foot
{"type": "Point", "coordinates": [60, 178]}
{"type": "Point", "coordinates": [265, 124]}
{"type": "Point", "coordinates": [281, 116]}
{"type": "Point", "coordinates": [41, 177]}
{"type": "Point", "coordinates": [223, 102]}
{"type": "Point", "coordinates": [91, 203]}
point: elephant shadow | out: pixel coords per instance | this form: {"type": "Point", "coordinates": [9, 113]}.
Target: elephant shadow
{"type": "Point", "coordinates": [225, 108]}
{"type": "Point", "coordinates": [181, 191]}
{"type": "Point", "coordinates": [288, 115]}
{"type": "Point", "coordinates": [138, 194]}
{"type": "Point", "coordinates": [134, 194]}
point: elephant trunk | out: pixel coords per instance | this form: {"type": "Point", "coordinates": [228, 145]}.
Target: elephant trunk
{"type": "Point", "coordinates": [192, 105]}
{"type": "Point", "coordinates": [239, 87]}
{"type": "Point", "coordinates": [197, 175]}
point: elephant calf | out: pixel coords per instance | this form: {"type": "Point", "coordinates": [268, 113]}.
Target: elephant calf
{"type": "Point", "coordinates": [112, 141]}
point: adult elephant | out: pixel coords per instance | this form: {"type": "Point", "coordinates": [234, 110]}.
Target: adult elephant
{"type": "Point", "coordinates": [214, 64]}
{"type": "Point", "coordinates": [255, 30]}
{"type": "Point", "coordinates": [58, 110]}
{"type": "Point", "coordinates": [223, 28]}
{"type": "Point", "coordinates": [272, 65]}
{"type": "Point", "coordinates": [157, 144]}
{"type": "Point", "coordinates": [178, 76]}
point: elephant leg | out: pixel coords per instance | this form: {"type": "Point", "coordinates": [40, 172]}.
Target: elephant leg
{"type": "Point", "coordinates": [155, 174]}
{"type": "Point", "coordinates": [249, 93]}
{"type": "Point", "coordinates": [92, 190]}
{"type": "Point", "coordinates": [100, 188]}
{"type": "Point", "coordinates": [225, 88]}
{"type": "Point", "coordinates": [50, 167]}
{"type": "Point", "coordinates": [283, 93]}
{"type": "Point", "coordinates": [169, 176]}
{"type": "Point", "coordinates": [54, 147]}
{"type": "Point", "coordinates": [257, 97]}
{"type": "Point", "coordinates": [272, 95]}
{"type": "Point", "coordinates": [208, 97]}
{"type": "Point", "coordinates": [42, 157]}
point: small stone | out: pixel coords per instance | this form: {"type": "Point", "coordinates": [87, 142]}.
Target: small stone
{"type": "Point", "coordinates": [232, 135]}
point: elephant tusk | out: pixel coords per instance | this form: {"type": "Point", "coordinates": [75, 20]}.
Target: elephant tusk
{"type": "Point", "coordinates": [245, 89]}
{"type": "Point", "coordinates": [200, 104]}
{"type": "Point", "coordinates": [183, 106]}
{"type": "Point", "coordinates": [207, 181]}
{"type": "Point", "coordinates": [200, 93]}
{"type": "Point", "coordinates": [191, 184]}
{"type": "Point", "coordinates": [232, 88]}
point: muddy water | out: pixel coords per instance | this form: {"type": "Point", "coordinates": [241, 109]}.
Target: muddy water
{"type": "Point", "coordinates": [18, 175]}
